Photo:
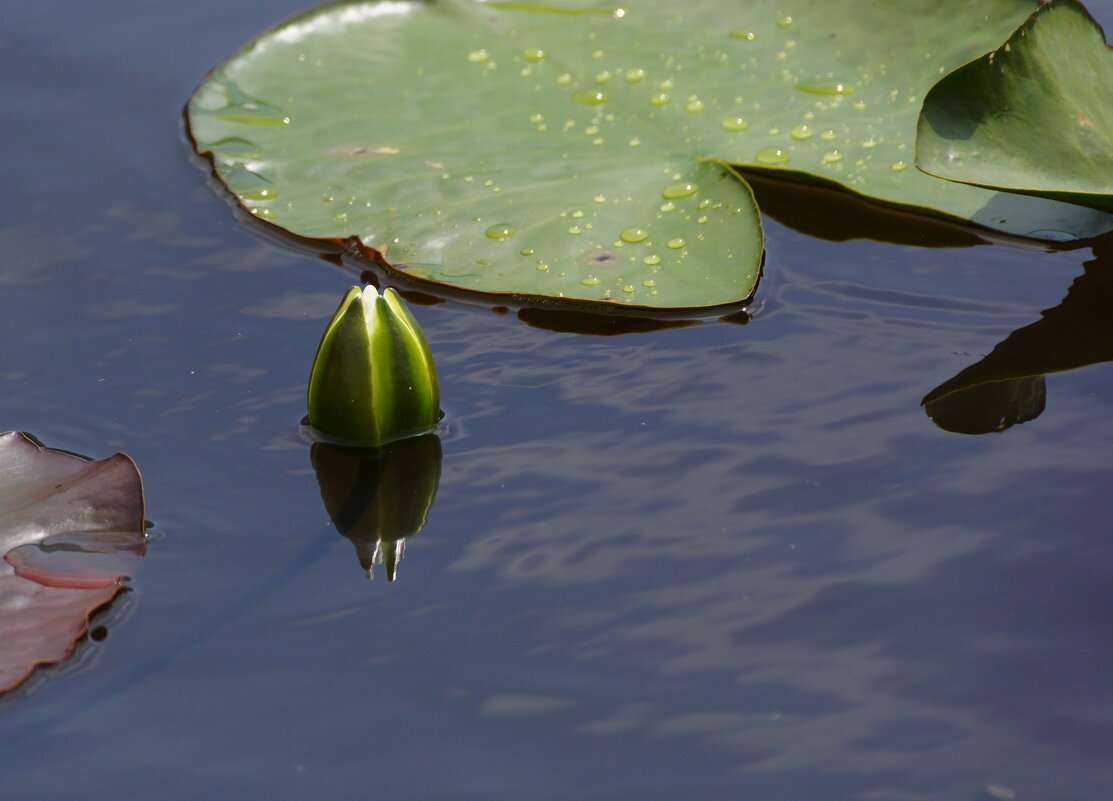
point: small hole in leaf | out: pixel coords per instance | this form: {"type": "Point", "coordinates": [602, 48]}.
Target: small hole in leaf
{"type": "Point", "coordinates": [601, 258]}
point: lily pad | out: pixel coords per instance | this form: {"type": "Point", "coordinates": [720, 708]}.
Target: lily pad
{"type": "Point", "coordinates": [70, 531]}
{"type": "Point", "coordinates": [1033, 116]}
{"type": "Point", "coordinates": [580, 150]}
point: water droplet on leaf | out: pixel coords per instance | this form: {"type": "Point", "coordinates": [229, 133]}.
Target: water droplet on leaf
{"type": "Point", "coordinates": [677, 191]}
{"type": "Point", "coordinates": [500, 232]}
{"type": "Point", "coordinates": [826, 87]}
{"type": "Point", "coordinates": [772, 155]}
{"type": "Point", "coordinates": [591, 98]}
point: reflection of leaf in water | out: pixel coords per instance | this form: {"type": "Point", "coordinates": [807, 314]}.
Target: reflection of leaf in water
{"type": "Point", "coordinates": [989, 407]}
{"type": "Point", "coordinates": [379, 497]}
{"type": "Point", "coordinates": [70, 530]}
{"type": "Point", "coordinates": [1006, 387]}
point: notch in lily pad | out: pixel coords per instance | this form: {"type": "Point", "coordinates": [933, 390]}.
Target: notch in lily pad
{"type": "Point", "coordinates": [373, 379]}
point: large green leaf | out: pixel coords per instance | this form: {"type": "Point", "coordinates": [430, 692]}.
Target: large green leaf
{"type": "Point", "coordinates": [549, 150]}
{"type": "Point", "coordinates": [1032, 116]}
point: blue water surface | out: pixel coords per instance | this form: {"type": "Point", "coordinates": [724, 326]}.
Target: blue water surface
{"type": "Point", "coordinates": [722, 561]}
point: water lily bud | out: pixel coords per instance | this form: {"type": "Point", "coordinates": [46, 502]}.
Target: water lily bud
{"type": "Point", "coordinates": [373, 379]}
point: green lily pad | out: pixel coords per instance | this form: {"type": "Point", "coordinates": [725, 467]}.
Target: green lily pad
{"type": "Point", "coordinates": [1033, 116]}
{"type": "Point", "coordinates": [580, 150]}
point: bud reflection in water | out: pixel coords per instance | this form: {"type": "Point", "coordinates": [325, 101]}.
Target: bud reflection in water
{"type": "Point", "coordinates": [379, 497]}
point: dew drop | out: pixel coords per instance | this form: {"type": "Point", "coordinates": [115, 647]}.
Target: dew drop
{"type": "Point", "coordinates": [774, 131]}
{"type": "Point", "coordinates": [772, 155]}
{"type": "Point", "coordinates": [898, 166]}
{"type": "Point", "coordinates": [734, 124]}
{"type": "Point", "coordinates": [628, 288]}
{"type": "Point", "coordinates": [634, 235]}
{"type": "Point", "coordinates": [537, 119]}
{"type": "Point", "coordinates": [341, 217]}
{"type": "Point", "coordinates": [603, 77]}
{"type": "Point", "coordinates": [858, 105]}
{"type": "Point", "coordinates": [665, 85]}
{"type": "Point", "coordinates": [542, 267]}
{"type": "Point", "coordinates": [668, 206]}
{"type": "Point", "coordinates": [600, 198]}
{"type": "Point", "coordinates": [659, 99]}
{"type": "Point", "coordinates": [649, 282]}
{"type": "Point", "coordinates": [591, 280]}
{"type": "Point", "coordinates": [832, 157]}
{"type": "Point", "coordinates": [635, 75]}
{"type": "Point", "coordinates": [236, 148]}
{"type": "Point", "coordinates": [826, 87]}
{"type": "Point", "coordinates": [533, 54]}
{"type": "Point", "coordinates": [677, 191]}
{"type": "Point", "coordinates": [499, 232]}
{"type": "Point", "coordinates": [526, 251]}
{"type": "Point", "coordinates": [702, 219]}
{"type": "Point", "coordinates": [575, 230]}
{"type": "Point", "coordinates": [652, 260]}
{"type": "Point", "coordinates": [694, 105]}
{"type": "Point", "coordinates": [676, 244]}
{"type": "Point", "coordinates": [250, 185]}
{"type": "Point", "coordinates": [869, 143]}
{"type": "Point", "coordinates": [744, 36]}
{"type": "Point", "coordinates": [828, 136]}
{"type": "Point", "coordinates": [591, 98]}
{"type": "Point", "coordinates": [784, 22]}
{"type": "Point", "coordinates": [577, 214]}
{"type": "Point", "coordinates": [801, 132]}
{"type": "Point", "coordinates": [564, 79]}
{"type": "Point", "coordinates": [635, 142]}
{"type": "Point", "coordinates": [479, 56]}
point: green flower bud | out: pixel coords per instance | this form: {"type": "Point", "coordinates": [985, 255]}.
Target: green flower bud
{"type": "Point", "coordinates": [373, 379]}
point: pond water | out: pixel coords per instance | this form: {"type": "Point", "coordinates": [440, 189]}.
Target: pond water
{"type": "Point", "coordinates": [719, 561]}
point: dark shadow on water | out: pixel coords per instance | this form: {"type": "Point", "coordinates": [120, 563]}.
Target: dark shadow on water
{"type": "Point", "coordinates": [835, 214]}
{"type": "Point", "coordinates": [1007, 386]}
{"type": "Point", "coordinates": [577, 322]}
{"type": "Point", "coordinates": [379, 497]}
